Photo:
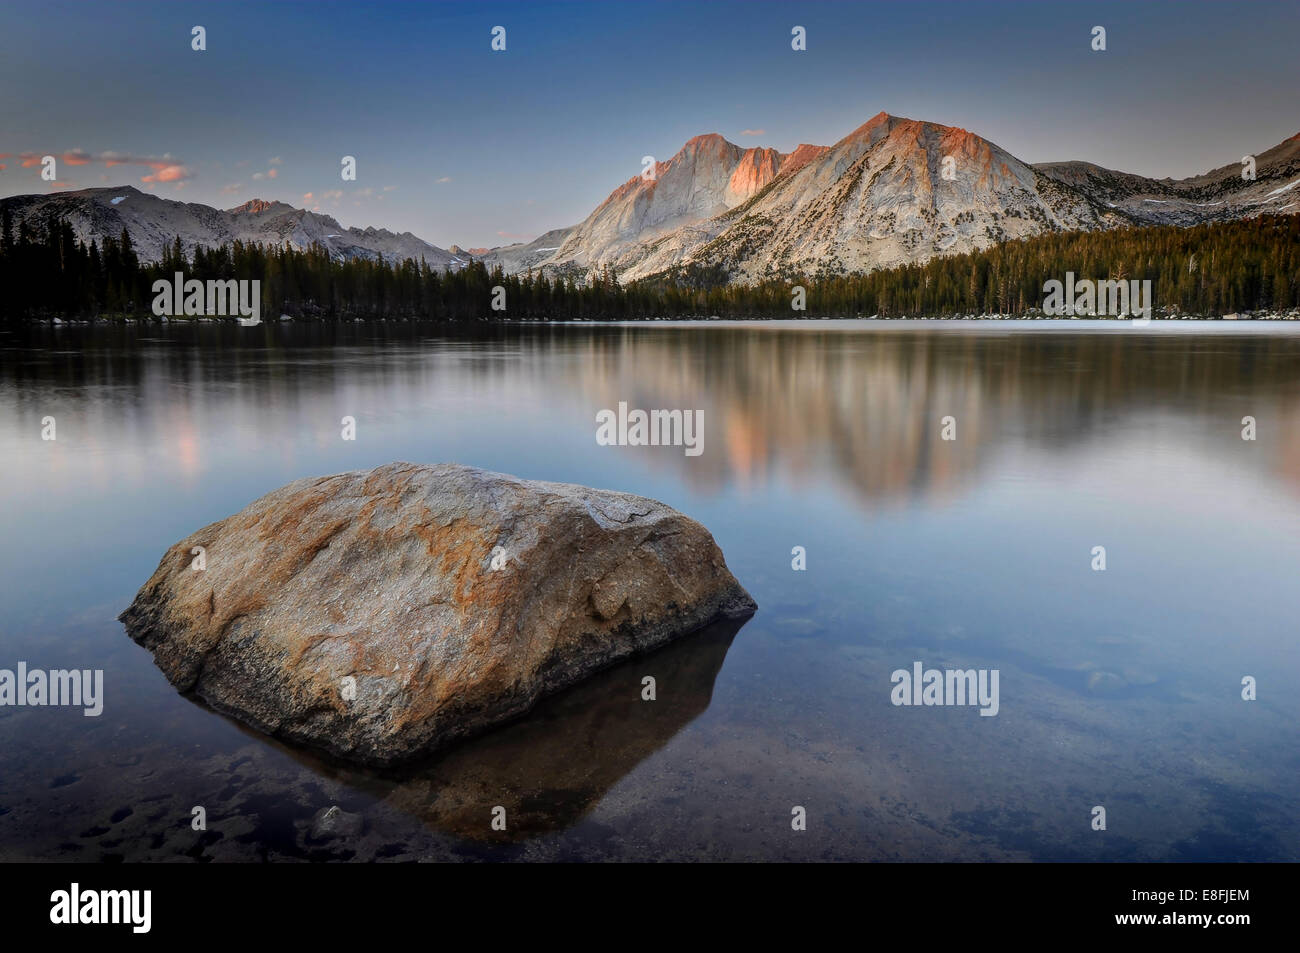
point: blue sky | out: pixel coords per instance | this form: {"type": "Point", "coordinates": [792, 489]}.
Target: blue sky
{"type": "Point", "coordinates": [458, 143]}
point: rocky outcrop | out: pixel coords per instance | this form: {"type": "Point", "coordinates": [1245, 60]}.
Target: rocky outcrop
{"type": "Point", "coordinates": [381, 614]}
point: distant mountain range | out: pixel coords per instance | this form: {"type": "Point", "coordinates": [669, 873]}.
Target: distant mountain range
{"type": "Point", "coordinates": [154, 223]}
{"type": "Point", "coordinates": [877, 198]}
{"type": "Point", "coordinates": [892, 191]}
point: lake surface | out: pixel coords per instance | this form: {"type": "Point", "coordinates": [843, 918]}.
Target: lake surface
{"type": "Point", "coordinates": [1119, 688]}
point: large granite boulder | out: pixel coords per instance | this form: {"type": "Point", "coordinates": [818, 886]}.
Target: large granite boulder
{"type": "Point", "coordinates": [381, 614]}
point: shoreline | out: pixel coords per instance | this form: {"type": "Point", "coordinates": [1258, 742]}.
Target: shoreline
{"type": "Point", "coordinates": [1030, 317]}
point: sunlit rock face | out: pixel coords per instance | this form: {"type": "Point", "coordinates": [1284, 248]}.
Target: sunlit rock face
{"type": "Point", "coordinates": [381, 614]}
{"type": "Point", "coordinates": [708, 176]}
{"type": "Point", "coordinates": [757, 167]}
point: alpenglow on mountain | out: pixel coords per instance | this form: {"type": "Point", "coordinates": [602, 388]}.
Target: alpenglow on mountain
{"type": "Point", "coordinates": [877, 198]}
{"type": "Point", "coordinates": [154, 223]}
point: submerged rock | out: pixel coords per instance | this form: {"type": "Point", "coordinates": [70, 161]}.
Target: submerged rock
{"type": "Point", "coordinates": [381, 614]}
{"type": "Point", "coordinates": [333, 821]}
{"type": "Point", "coordinates": [1105, 683]}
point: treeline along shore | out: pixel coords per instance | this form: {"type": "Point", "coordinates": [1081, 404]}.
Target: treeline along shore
{"type": "Point", "coordinates": [1243, 266]}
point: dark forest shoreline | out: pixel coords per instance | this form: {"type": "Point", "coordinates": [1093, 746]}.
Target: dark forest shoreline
{"type": "Point", "coordinates": [58, 322]}
{"type": "Point", "coordinates": [1244, 268]}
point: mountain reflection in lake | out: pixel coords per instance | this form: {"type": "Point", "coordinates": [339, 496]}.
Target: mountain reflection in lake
{"type": "Point", "coordinates": [1119, 688]}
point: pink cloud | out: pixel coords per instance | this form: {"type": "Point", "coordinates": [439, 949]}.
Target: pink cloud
{"type": "Point", "coordinates": [71, 157]}
{"type": "Point", "coordinates": [168, 173]}
{"type": "Point", "coordinates": [166, 168]}
{"type": "Point", "coordinates": [753, 132]}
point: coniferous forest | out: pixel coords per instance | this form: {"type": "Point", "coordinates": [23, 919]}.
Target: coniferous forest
{"type": "Point", "coordinates": [1206, 270]}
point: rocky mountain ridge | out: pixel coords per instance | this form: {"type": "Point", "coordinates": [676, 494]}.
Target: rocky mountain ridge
{"type": "Point", "coordinates": [154, 223]}
{"type": "Point", "coordinates": [891, 192]}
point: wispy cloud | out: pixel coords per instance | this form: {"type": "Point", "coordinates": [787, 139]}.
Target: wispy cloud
{"type": "Point", "coordinates": [166, 168]}
{"type": "Point", "coordinates": [753, 132]}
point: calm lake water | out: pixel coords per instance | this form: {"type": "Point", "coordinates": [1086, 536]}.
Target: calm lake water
{"type": "Point", "coordinates": [1119, 688]}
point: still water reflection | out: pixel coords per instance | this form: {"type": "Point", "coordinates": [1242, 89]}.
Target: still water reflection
{"type": "Point", "coordinates": [1119, 688]}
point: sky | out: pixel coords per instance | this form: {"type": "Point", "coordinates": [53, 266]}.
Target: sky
{"type": "Point", "coordinates": [462, 144]}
